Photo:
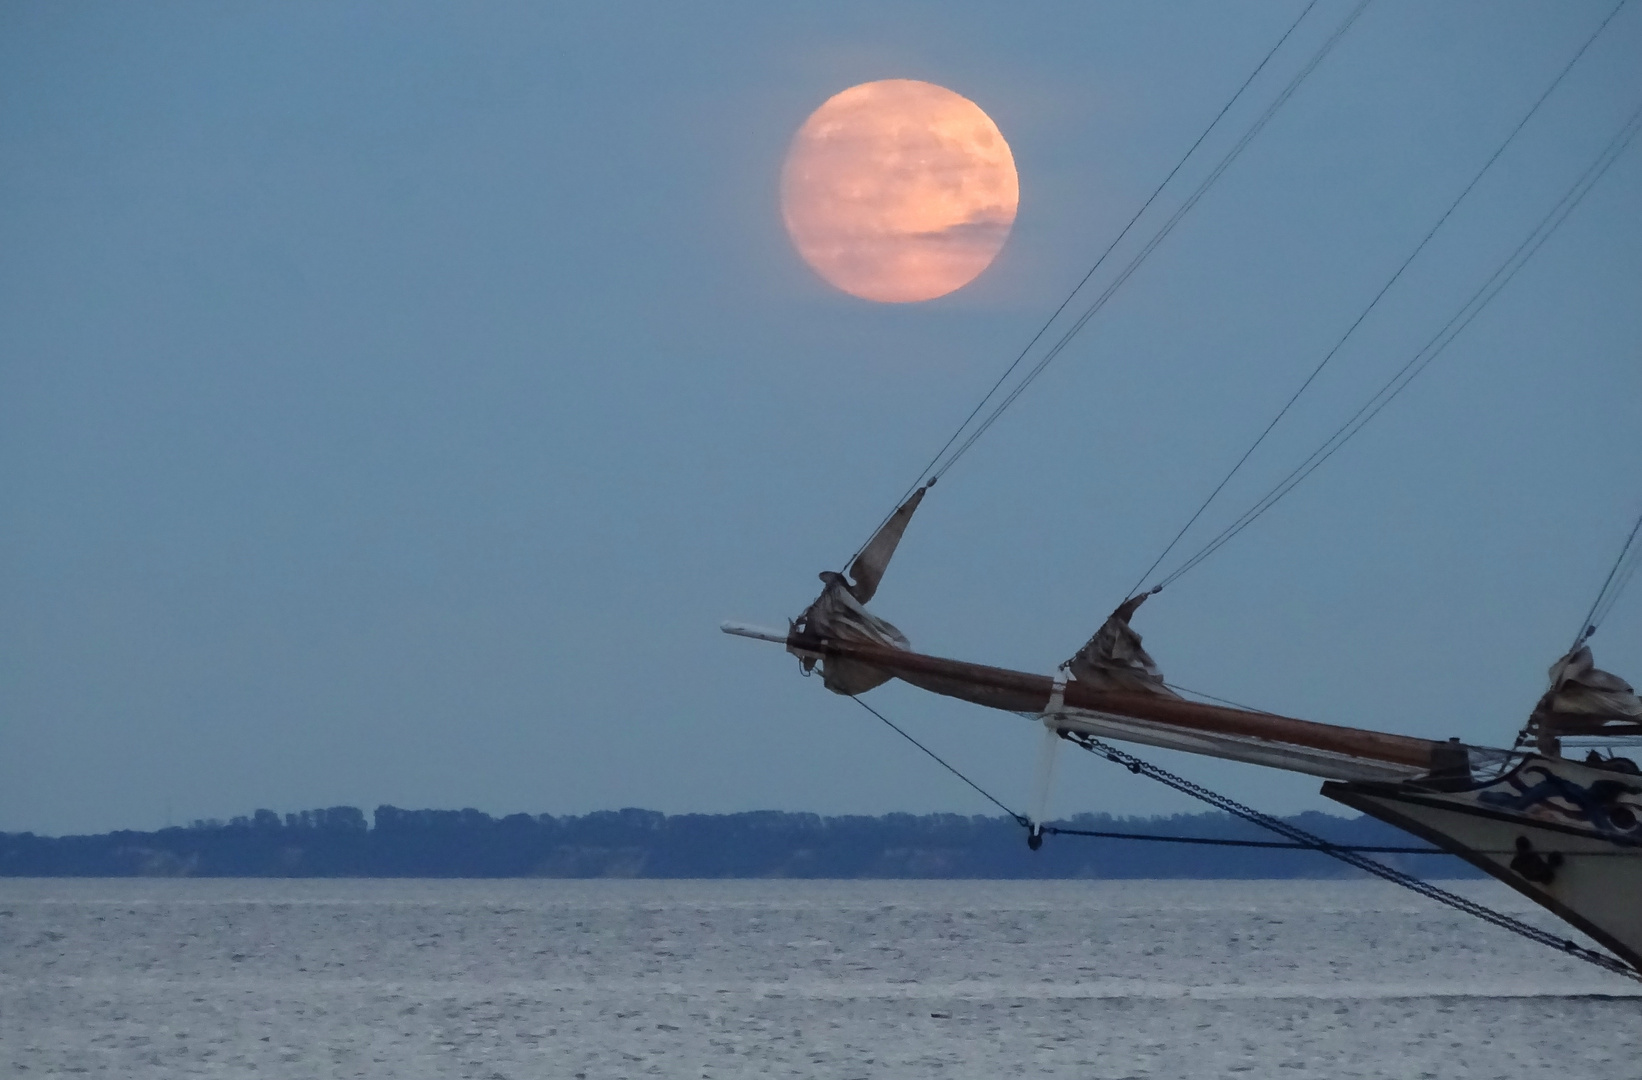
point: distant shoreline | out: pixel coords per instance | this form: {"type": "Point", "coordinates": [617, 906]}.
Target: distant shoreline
{"type": "Point", "coordinates": [340, 842]}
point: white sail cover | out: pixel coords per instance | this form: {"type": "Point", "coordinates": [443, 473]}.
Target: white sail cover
{"type": "Point", "coordinates": [1580, 688]}
{"type": "Point", "coordinates": [1114, 660]}
{"type": "Point", "coordinates": [840, 613]}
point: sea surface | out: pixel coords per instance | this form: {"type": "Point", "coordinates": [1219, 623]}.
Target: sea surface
{"type": "Point", "coordinates": [139, 978]}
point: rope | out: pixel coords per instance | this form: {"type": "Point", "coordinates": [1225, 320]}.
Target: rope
{"type": "Point", "coordinates": [1099, 262]}
{"type": "Point", "coordinates": [1027, 823]}
{"type": "Point", "coordinates": [1355, 855]}
{"type": "Point", "coordinates": [1353, 858]}
{"type": "Point", "coordinates": [1020, 819]}
{"type": "Point", "coordinates": [1618, 577]}
{"type": "Point", "coordinates": [1056, 830]}
{"type": "Point", "coordinates": [1215, 841]}
{"type": "Point", "coordinates": [1167, 227]}
{"type": "Point", "coordinates": [1496, 282]}
{"type": "Point", "coordinates": [1392, 280]}
{"type": "Point", "coordinates": [1314, 843]}
{"type": "Point", "coordinates": [1177, 688]}
{"type": "Point", "coordinates": [1373, 849]}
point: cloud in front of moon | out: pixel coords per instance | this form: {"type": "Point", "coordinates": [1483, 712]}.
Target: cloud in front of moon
{"type": "Point", "coordinates": [899, 190]}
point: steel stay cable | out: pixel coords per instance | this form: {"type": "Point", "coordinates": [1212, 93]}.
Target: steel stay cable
{"type": "Point", "coordinates": [1353, 858]}
{"type": "Point", "coordinates": [1070, 296]}
{"type": "Point", "coordinates": [1352, 855]}
{"type": "Point", "coordinates": [1162, 233]}
{"type": "Point", "coordinates": [1019, 819]}
{"type": "Point", "coordinates": [1025, 822]}
{"type": "Point", "coordinates": [1099, 262]}
{"type": "Point", "coordinates": [1314, 843]}
{"type": "Point", "coordinates": [1060, 830]}
{"type": "Point", "coordinates": [1620, 583]}
{"type": "Point", "coordinates": [1444, 337]}
{"type": "Point", "coordinates": [1378, 296]}
{"type": "Point", "coordinates": [1592, 618]}
{"type": "Point", "coordinates": [1215, 841]}
{"type": "Point", "coordinates": [1373, 849]}
{"type": "Point", "coordinates": [1479, 300]}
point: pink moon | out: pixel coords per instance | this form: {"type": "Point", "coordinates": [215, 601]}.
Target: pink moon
{"type": "Point", "coordinates": [899, 191]}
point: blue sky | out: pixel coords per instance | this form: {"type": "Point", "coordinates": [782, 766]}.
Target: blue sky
{"type": "Point", "coordinates": [394, 400]}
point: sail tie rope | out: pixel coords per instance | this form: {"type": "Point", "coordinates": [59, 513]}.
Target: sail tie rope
{"type": "Point", "coordinates": [1101, 261]}
{"type": "Point", "coordinates": [1392, 280]}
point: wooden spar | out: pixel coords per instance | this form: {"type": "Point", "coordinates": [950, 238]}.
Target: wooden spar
{"type": "Point", "coordinates": [1019, 691]}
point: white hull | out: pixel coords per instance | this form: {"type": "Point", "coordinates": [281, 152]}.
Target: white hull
{"type": "Point", "coordinates": [1566, 835]}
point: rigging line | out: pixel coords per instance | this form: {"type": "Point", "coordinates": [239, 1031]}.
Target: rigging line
{"type": "Point", "coordinates": [1310, 843]}
{"type": "Point", "coordinates": [1620, 583]}
{"type": "Point", "coordinates": [1287, 845]}
{"type": "Point", "coordinates": [1392, 280]}
{"type": "Point", "coordinates": [1099, 262]}
{"type": "Point", "coordinates": [1058, 830]}
{"type": "Point", "coordinates": [1422, 359]}
{"type": "Point", "coordinates": [1468, 311]}
{"type": "Point", "coordinates": [1163, 232]}
{"type": "Point", "coordinates": [1157, 238]}
{"type": "Point", "coordinates": [1019, 819]}
{"type": "Point", "coordinates": [1592, 621]}
{"type": "Point", "coordinates": [1352, 858]}
{"type": "Point", "coordinates": [1224, 701]}
{"type": "Point", "coordinates": [1215, 841]}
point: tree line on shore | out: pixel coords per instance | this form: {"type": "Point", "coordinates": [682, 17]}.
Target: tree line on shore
{"type": "Point", "coordinates": [341, 842]}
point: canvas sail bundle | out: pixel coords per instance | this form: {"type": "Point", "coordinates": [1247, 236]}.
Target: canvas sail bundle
{"type": "Point", "coordinates": [1114, 660]}
{"type": "Point", "coordinates": [840, 614]}
{"type": "Point", "coordinates": [1580, 689]}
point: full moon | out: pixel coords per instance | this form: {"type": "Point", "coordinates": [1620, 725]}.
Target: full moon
{"type": "Point", "coordinates": [899, 191]}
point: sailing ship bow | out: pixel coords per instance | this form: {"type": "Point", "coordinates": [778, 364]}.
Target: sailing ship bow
{"type": "Point", "coordinates": [1567, 834]}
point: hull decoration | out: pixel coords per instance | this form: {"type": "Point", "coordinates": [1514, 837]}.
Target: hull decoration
{"type": "Point", "coordinates": [1566, 835]}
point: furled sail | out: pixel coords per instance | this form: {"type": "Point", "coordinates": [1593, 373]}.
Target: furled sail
{"type": "Point", "coordinates": [1114, 660]}
{"type": "Point", "coordinates": [1580, 688]}
{"type": "Point", "coordinates": [840, 613]}
{"type": "Point", "coordinates": [1583, 700]}
{"type": "Point", "coordinates": [869, 566]}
